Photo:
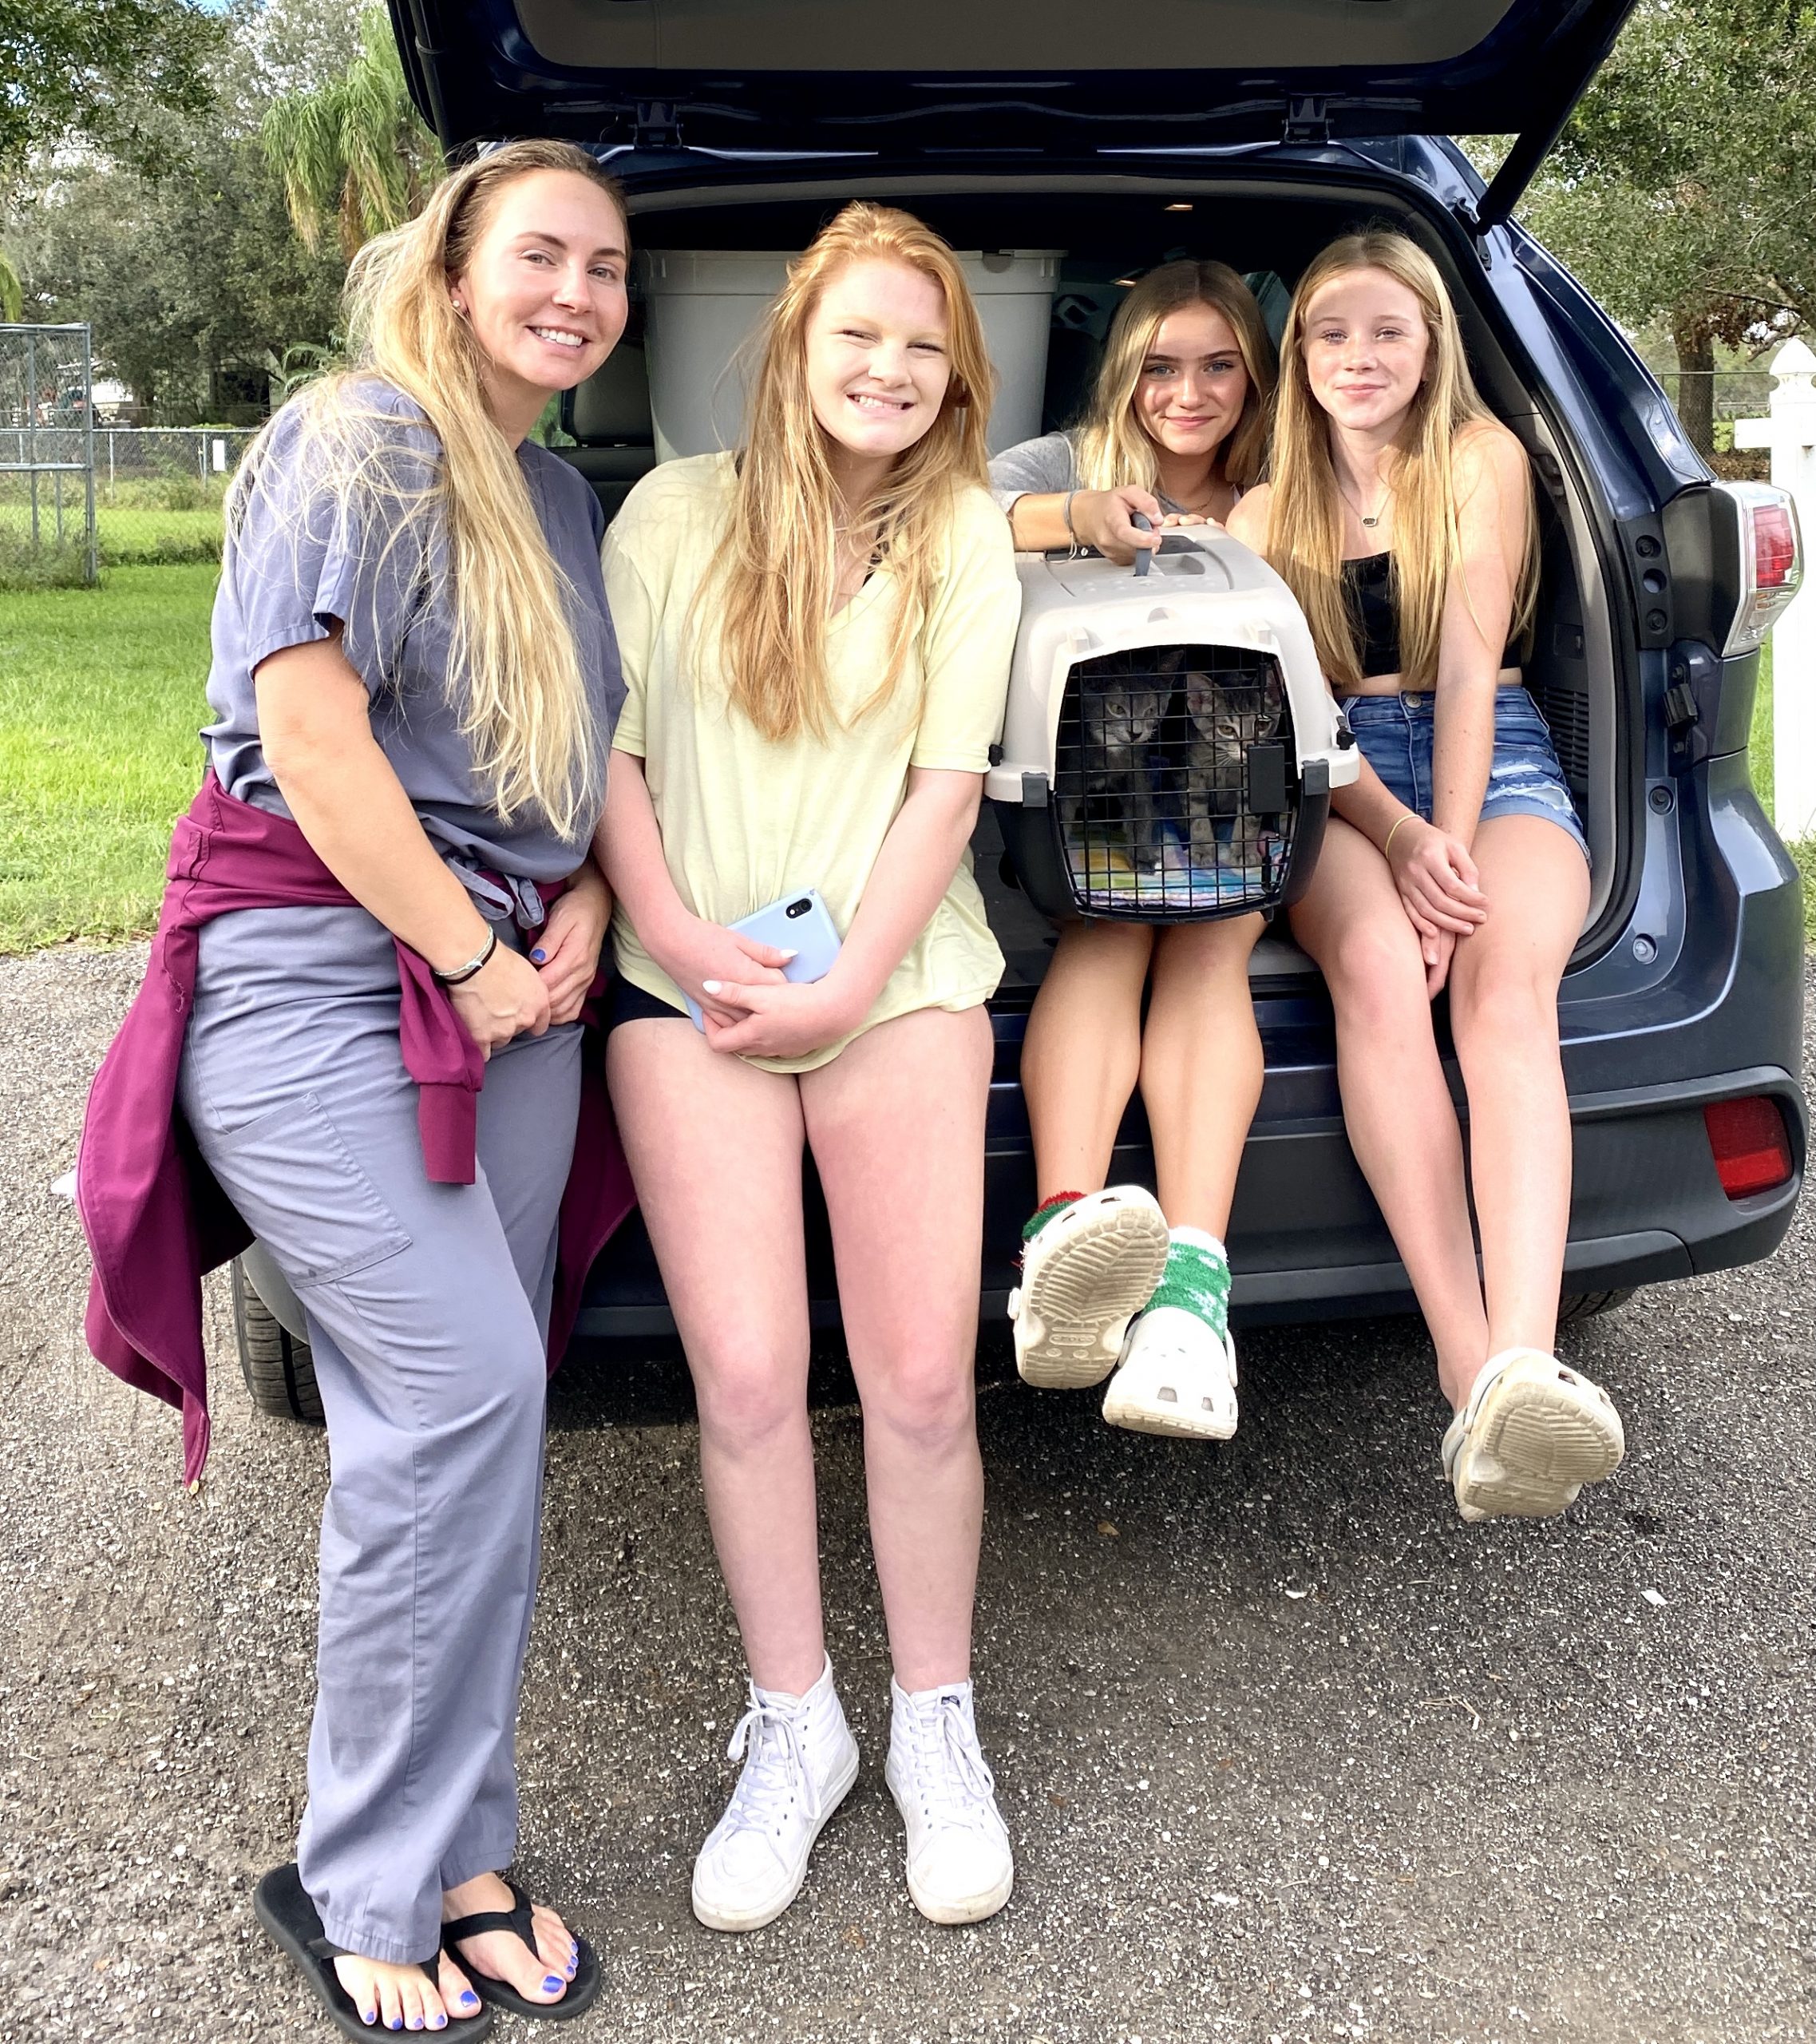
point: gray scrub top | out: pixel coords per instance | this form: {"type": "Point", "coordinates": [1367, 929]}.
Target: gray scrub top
{"type": "Point", "coordinates": [304, 553]}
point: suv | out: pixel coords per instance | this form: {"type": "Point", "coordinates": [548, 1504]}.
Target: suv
{"type": "Point", "coordinates": [1267, 130]}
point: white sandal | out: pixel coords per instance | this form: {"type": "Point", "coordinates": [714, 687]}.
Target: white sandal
{"type": "Point", "coordinates": [1176, 1378]}
{"type": "Point", "coordinates": [1084, 1277]}
{"type": "Point", "coordinates": [1533, 1433]}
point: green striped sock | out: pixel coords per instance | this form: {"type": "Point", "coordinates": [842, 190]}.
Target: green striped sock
{"type": "Point", "coordinates": [1196, 1279]}
{"type": "Point", "coordinates": [1049, 1209]}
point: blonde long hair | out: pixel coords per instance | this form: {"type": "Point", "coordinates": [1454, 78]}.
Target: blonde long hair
{"type": "Point", "coordinates": [773, 578]}
{"type": "Point", "coordinates": [1115, 449]}
{"type": "Point", "coordinates": [1304, 539]}
{"type": "Point", "coordinates": [515, 676]}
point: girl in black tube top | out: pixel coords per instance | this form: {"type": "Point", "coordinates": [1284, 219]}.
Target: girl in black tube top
{"type": "Point", "coordinates": [1401, 513]}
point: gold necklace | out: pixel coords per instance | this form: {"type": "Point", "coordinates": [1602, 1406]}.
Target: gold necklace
{"type": "Point", "coordinates": [1202, 508]}
{"type": "Point", "coordinates": [1368, 523]}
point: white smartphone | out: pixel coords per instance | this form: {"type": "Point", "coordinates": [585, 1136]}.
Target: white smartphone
{"type": "Point", "coordinates": [800, 923]}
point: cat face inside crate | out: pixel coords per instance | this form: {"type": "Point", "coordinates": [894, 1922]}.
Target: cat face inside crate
{"type": "Point", "coordinates": [1153, 762]}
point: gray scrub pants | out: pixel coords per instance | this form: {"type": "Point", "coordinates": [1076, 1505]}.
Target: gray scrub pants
{"type": "Point", "coordinates": [427, 1306]}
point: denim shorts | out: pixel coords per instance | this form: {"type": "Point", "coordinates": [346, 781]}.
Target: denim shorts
{"type": "Point", "coordinates": [1395, 735]}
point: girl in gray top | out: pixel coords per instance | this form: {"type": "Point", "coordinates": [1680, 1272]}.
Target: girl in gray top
{"type": "Point", "coordinates": [1176, 429]}
{"type": "Point", "coordinates": [413, 661]}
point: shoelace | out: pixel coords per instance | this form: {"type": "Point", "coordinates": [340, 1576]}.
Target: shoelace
{"type": "Point", "coordinates": [778, 1773]}
{"type": "Point", "coordinates": [952, 1779]}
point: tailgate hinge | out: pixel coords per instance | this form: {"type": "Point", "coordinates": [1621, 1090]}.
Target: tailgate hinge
{"type": "Point", "coordinates": [1308, 119]}
{"type": "Point", "coordinates": [659, 125]}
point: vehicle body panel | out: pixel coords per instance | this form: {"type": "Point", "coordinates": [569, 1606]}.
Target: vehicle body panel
{"type": "Point", "coordinates": [794, 75]}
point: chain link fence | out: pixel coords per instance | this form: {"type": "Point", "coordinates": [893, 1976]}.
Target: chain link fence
{"type": "Point", "coordinates": [76, 497]}
{"type": "Point", "coordinates": [159, 491]}
{"type": "Point", "coordinates": [47, 506]}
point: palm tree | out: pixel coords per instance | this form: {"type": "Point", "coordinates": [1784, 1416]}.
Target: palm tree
{"type": "Point", "coordinates": [354, 147]}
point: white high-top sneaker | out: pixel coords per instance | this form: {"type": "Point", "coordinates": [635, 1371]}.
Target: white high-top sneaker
{"type": "Point", "coordinates": [959, 1867]}
{"type": "Point", "coordinates": [800, 1761]}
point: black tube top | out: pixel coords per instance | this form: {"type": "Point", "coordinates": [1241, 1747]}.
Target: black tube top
{"type": "Point", "coordinates": [1368, 591]}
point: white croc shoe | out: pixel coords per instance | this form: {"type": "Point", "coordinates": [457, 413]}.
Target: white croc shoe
{"type": "Point", "coordinates": [1084, 1277]}
{"type": "Point", "coordinates": [960, 1868]}
{"type": "Point", "coordinates": [1533, 1433]}
{"type": "Point", "coordinates": [1177, 1377]}
{"type": "Point", "coordinates": [800, 1761]}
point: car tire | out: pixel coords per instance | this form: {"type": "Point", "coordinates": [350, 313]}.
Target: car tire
{"type": "Point", "coordinates": [278, 1369]}
{"type": "Point", "coordinates": [1585, 1306]}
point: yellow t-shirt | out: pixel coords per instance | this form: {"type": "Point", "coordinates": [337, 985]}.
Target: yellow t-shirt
{"type": "Point", "coordinates": [746, 820]}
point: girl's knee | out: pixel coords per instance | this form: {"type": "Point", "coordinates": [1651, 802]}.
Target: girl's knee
{"type": "Point", "coordinates": [1501, 1007]}
{"type": "Point", "coordinates": [1376, 976]}
{"type": "Point", "coordinates": [748, 1398]}
{"type": "Point", "coordinates": [931, 1400]}
{"type": "Point", "coordinates": [1224, 944]}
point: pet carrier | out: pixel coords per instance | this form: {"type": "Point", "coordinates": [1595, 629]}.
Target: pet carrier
{"type": "Point", "coordinates": [1169, 746]}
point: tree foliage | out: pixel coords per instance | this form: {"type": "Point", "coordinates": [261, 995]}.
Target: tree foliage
{"type": "Point", "coordinates": [94, 70]}
{"type": "Point", "coordinates": [352, 147]}
{"type": "Point", "coordinates": [1684, 189]}
{"type": "Point", "coordinates": [190, 282]}
{"type": "Point", "coordinates": [190, 274]}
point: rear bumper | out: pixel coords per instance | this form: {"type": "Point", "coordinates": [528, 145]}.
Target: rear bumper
{"type": "Point", "coordinates": [1307, 1240]}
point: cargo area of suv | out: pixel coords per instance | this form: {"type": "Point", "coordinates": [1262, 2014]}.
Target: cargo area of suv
{"type": "Point", "coordinates": [1099, 232]}
{"type": "Point", "coordinates": [1261, 132]}
{"type": "Point", "coordinates": [1114, 228]}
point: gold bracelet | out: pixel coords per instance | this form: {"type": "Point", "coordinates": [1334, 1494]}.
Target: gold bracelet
{"type": "Point", "coordinates": [1387, 842]}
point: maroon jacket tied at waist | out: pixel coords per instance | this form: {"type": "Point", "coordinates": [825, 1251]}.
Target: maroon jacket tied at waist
{"type": "Point", "coordinates": [154, 1216]}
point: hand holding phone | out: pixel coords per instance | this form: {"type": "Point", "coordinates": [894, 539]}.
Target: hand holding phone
{"type": "Point", "coordinates": [696, 950]}
{"type": "Point", "coordinates": [799, 923]}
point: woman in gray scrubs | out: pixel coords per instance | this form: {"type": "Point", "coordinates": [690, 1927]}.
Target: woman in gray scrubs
{"type": "Point", "coordinates": [413, 660]}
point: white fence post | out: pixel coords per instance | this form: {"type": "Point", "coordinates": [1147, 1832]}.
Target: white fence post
{"type": "Point", "coordinates": [1790, 434]}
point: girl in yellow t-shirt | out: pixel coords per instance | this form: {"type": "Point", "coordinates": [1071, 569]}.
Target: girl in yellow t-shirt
{"type": "Point", "coordinates": [816, 637]}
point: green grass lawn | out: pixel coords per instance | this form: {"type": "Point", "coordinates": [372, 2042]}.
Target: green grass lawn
{"type": "Point", "coordinates": [1759, 760]}
{"type": "Point", "coordinates": [100, 698]}
{"type": "Point", "coordinates": [131, 534]}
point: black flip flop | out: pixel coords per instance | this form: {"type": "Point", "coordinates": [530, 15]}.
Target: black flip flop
{"type": "Point", "coordinates": [582, 1990]}
{"type": "Point", "coordinates": [282, 1904]}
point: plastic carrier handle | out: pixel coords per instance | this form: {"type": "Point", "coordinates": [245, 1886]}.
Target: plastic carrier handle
{"type": "Point", "coordinates": [1144, 556]}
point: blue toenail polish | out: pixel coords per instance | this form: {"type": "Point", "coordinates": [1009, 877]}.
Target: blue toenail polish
{"type": "Point", "coordinates": [415, 2023]}
{"type": "Point", "coordinates": [551, 1983]}
{"type": "Point", "coordinates": [468, 1998]}
{"type": "Point", "coordinates": [368, 2015]}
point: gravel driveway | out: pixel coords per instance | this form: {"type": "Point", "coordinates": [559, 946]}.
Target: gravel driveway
{"type": "Point", "coordinates": [1288, 1752]}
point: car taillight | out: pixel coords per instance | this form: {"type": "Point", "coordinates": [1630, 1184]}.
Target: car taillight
{"type": "Point", "coordinates": [1771, 562]}
{"type": "Point", "coordinates": [1747, 1140]}
{"type": "Point", "coordinates": [1774, 546]}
